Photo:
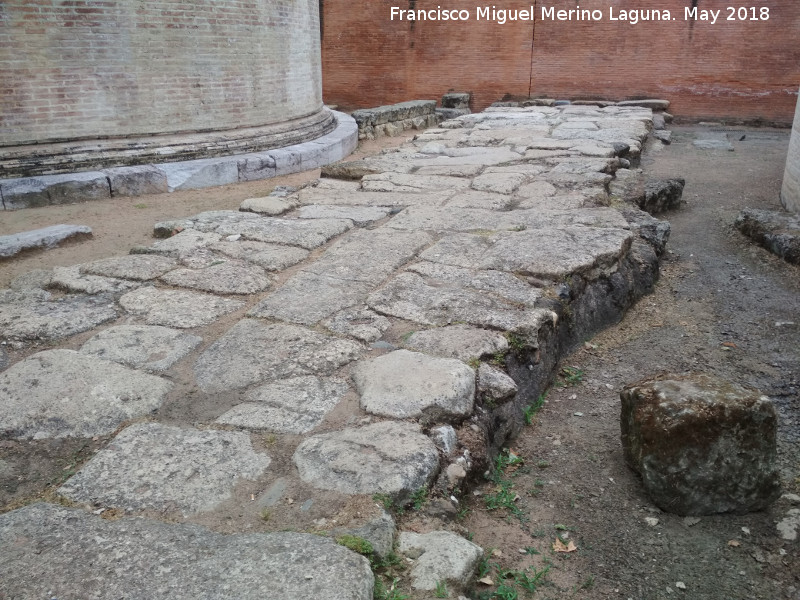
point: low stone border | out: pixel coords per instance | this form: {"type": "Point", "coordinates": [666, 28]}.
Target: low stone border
{"type": "Point", "coordinates": [28, 192]}
{"type": "Point", "coordinates": [393, 119]}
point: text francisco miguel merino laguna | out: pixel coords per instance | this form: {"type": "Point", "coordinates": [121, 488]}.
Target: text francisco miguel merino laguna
{"type": "Point", "coordinates": [633, 16]}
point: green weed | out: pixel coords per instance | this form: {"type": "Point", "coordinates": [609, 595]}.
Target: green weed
{"type": "Point", "coordinates": [355, 543]}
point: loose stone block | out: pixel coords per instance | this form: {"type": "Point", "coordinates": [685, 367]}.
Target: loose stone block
{"type": "Point", "coordinates": [390, 457]}
{"type": "Point", "coordinates": [53, 551]}
{"type": "Point", "coordinates": [295, 405]}
{"type": "Point", "coordinates": [251, 352]}
{"type": "Point", "coordinates": [268, 205]}
{"type": "Point", "coordinates": [47, 237]}
{"type": "Point", "coordinates": [147, 347]}
{"type": "Point", "coordinates": [440, 556]}
{"type": "Point", "coordinates": [494, 385]}
{"type": "Point", "coordinates": [778, 232]}
{"type": "Point", "coordinates": [177, 308]}
{"type": "Point", "coordinates": [662, 194]}
{"type": "Point", "coordinates": [150, 466]}
{"type": "Point", "coordinates": [702, 445]}
{"type": "Point", "coordinates": [63, 393]}
{"type": "Point", "coordinates": [405, 384]}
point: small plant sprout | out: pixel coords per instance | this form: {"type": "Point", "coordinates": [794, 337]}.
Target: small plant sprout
{"type": "Point", "coordinates": [441, 590]}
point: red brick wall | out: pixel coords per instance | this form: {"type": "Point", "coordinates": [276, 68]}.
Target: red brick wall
{"type": "Point", "coordinates": [738, 69]}
{"type": "Point", "coordinates": [77, 69]}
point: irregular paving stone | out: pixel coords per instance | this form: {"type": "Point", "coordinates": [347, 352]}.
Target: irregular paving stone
{"type": "Point", "coordinates": [484, 200]}
{"type": "Point", "coordinates": [205, 221]}
{"type": "Point", "coordinates": [147, 347]}
{"type": "Point", "coordinates": [52, 551]}
{"type": "Point", "coordinates": [789, 525]}
{"type": "Point", "coordinates": [713, 141]}
{"type": "Point", "coordinates": [306, 233]}
{"type": "Point", "coordinates": [390, 457]}
{"type": "Point", "coordinates": [150, 466]}
{"type": "Point", "coordinates": [63, 393]}
{"type": "Point", "coordinates": [361, 323]}
{"type": "Point", "coordinates": [458, 341]}
{"type": "Point", "coordinates": [251, 352]}
{"type": "Point", "coordinates": [179, 244]}
{"type": "Point", "coordinates": [778, 232]}
{"type": "Point", "coordinates": [379, 532]}
{"type": "Point", "coordinates": [341, 278]}
{"type": "Point", "coordinates": [139, 267]}
{"type": "Point", "coordinates": [549, 253]}
{"type": "Point", "coordinates": [450, 170]}
{"type": "Point", "coordinates": [34, 315]}
{"type": "Point", "coordinates": [494, 385]}
{"type": "Point", "coordinates": [70, 279]}
{"type": "Point", "coordinates": [47, 237]}
{"type": "Point", "coordinates": [177, 308]}
{"type": "Point", "coordinates": [652, 230]}
{"type": "Point", "coordinates": [360, 215]}
{"type": "Point", "coordinates": [272, 257]}
{"type": "Point", "coordinates": [352, 170]}
{"type": "Point", "coordinates": [315, 195]}
{"type": "Point", "coordinates": [702, 445]}
{"type": "Point", "coordinates": [439, 556]}
{"type": "Point", "coordinates": [501, 183]}
{"type": "Point", "coordinates": [434, 302]}
{"type": "Point", "coordinates": [268, 205]}
{"type": "Point", "coordinates": [295, 405]}
{"type": "Point", "coordinates": [229, 277]}
{"type": "Point", "coordinates": [445, 438]}
{"type": "Point", "coordinates": [405, 384]}
{"type": "Point", "coordinates": [33, 279]}
{"type": "Point", "coordinates": [400, 182]}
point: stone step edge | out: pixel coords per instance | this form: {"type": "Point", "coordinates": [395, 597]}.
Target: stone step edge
{"type": "Point", "coordinates": [44, 190]}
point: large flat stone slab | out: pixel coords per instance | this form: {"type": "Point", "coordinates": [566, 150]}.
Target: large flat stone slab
{"type": "Point", "coordinates": [178, 245]}
{"type": "Point", "coordinates": [225, 276]}
{"type": "Point", "coordinates": [150, 466]}
{"type": "Point", "coordinates": [139, 267]}
{"type": "Point", "coordinates": [405, 385]}
{"type": "Point", "coordinates": [295, 405]}
{"type": "Point", "coordinates": [70, 279]}
{"type": "Point", "coordinates": [177, 308]}
{"type": "Point", "coordinates": [207, 221]}
{"type": "Point", "coordinates": [50, 551]}
{"type": "Point", "coordinates": [360, 215]}
{"type": "Point", "coordinates": [458, 341]}
{"type": "Point", "coordinates": [147, 347]}
{"type": "Point", "coordinates": [549, 253]}
{"type": "Point", "coordinates": [391, 458]}
{"type": "Point", "coordinates": [252, 352]}
{"type": "Point", "coordinates": [34, 315]}
{"type": "Point", "coordinates": [46, 237]}
{"type": "Point", "coordinates": [272, 257]}
{"type": "Point", "coordinates": [306, 233]}
{"type": "Point", "coordinates": [63, 393]}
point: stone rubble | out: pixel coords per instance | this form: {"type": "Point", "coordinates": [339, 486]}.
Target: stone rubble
{"type": "Point", "coordinates": [46, 237]}
{"type": "Point", "coordinates": [431, 291]}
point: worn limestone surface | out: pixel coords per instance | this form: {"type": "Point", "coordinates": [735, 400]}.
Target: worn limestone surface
{"type": "Point", "coordinates": [405, 384]}
{"type": "Point", "coordinates": [390, 457]}
{"type": "Point", "coordinates": [147, 347]}
{"type": "Point", "coordinates": [439, 556]}
{"type": "Point", "coordinates": [448, 296]}
{"type": "Point", "coordinates": [702, 445]}
{"type": "Point", "coordinates": [62, 393]}
{"type": "Point", "coordinates": [252, 352]}
{"type": "Point", "coordinates": [47, 237]}
{"type": "Point", "coordinates": [51, 551]}
{"type": "Point", "coordinates": [294, 405]}
{"type": "Point", "coordinates": [34, 315]}
{"type": "Point", "coordinates": [165, 468]}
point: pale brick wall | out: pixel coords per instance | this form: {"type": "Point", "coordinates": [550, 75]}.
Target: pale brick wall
{"type": "Point", "coordinates": [79, 69]}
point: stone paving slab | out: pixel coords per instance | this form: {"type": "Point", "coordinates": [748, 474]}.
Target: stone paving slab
{"type": "Point", "coordinates": [390, 457]}
{"type": "Point", "coordinates": [295, 405]}
{"type": "Point", "coordinates": [138, 267]}
{"type": "Point", "coordinates": [272, 257]}
{"type": "Point", "coordinates": [46, 237]}
{"type": "Point", "coordinates": [306, 233]}
{"type": "Point", "coordinates": [55, 552]}
{"type": "Point", "coordinates": [405, 384]}
{"type": "Point", "coordinates": [70, 279]}
{"type": "Point", "coordinates": [63, 393]}
{"type": "Point", "coordinates": [150, 466]}
{"type": "Point", "coordinates": [177, 308]}
{"type": "Point", "coordinates": [221, 277]}
{"type": "Point", "coordinates": [458, 341]}
{"type": "Point", "coordinates": [147, 347]}
{"type": "Point", "coordinates": [251, 352]}
{"type": "Point", "coordinates": [36, 316]}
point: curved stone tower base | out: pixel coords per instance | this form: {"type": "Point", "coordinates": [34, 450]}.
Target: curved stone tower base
{"type": "Point", "coordinates": [790, 192]}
